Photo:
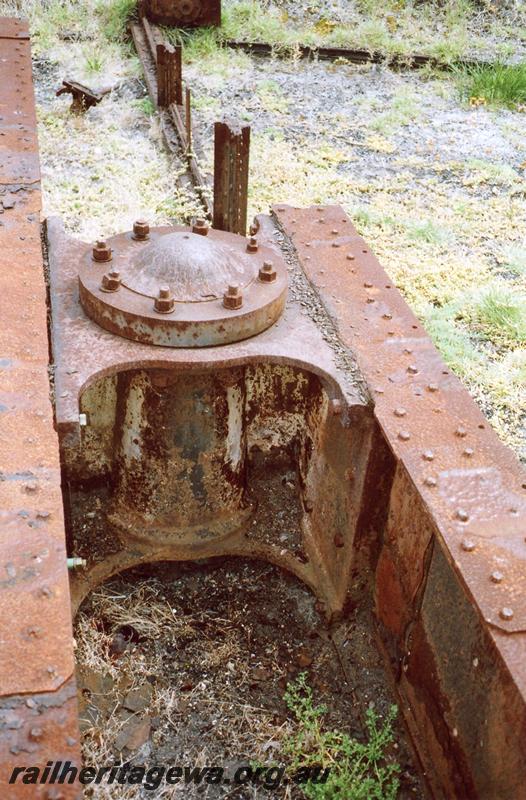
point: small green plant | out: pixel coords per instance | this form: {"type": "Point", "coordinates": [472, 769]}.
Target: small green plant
{"type": "Point", "coordinates": [145, 105]}
{"type": "Point", "coordinates": [357, 771]}
{"type": "Point", "coordinates": [501, 311]}
{"type": "Point", "coordinates": [495, 85]}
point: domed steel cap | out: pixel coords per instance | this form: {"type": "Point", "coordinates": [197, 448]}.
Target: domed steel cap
{"type": "Point", "coordinates": [195, 273]}
{"type": "Point", "coordinates": [194, 267]}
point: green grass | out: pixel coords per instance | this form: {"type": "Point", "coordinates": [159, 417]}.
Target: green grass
{"type": "Point", "coordinates": [358, 770]}
{"type": "Point", "coordinates": [501, 313]}
{"type": "Point", "coordinates": [496, 85]}
{"type": "Point", "coordinates": [115, 15]}
{"type": "Point", "coordinates": [393, 27]}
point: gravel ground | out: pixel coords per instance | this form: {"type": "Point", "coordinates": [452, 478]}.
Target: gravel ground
{"type": "Point", "coordinates": [436, 187]}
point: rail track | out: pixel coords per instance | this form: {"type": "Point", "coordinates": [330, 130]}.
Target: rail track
{"type": "Point", "coordinates": [435, 504]}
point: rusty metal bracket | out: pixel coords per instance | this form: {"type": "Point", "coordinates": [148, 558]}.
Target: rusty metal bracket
{"type": "Point", "coordinates": [83, 96]}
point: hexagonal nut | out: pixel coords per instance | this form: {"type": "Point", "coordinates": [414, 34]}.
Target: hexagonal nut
{"type": "Point", "coordinates": [141, 230]}
{"type": "Point", "coordinates": [233, 298]}
{"type": "Point", "coordinates": [101, 252]}
{"type": "Point", "coordinates": [164, 303]}
{"type": "Point", "coordinates": [111, 281]}
{"type": "Point", "coordinates": [201, 227]}
{"type": "Point", "coordinates": [252, 245]}
{"type": "Point", "coordinates": [267, 273]}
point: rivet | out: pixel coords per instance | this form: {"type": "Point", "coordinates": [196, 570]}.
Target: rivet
{"type": "Point", "coordinates": [336, 244]}
{"type": "Point", "coordinates": [468, 452]}
{"type": "Point", "coordinates": [350, 257]}
{"type": "Point", "coordinates": [404, 435]}
{"type": "Point", "coordinates": [400, 412]}
{"type": "Point", "coordinates": [370, 300]}
{"type": "Point", "coordinates": [461, 432]}
{"type": "Point", "coordinates": [462, 515]}
{"type": "Point", "coordinates": [412, 369]}
{"type": "Point", "coordinates": [430, 481]}
{"type": "Point", "coordinates": [387, 316]}
{"type": "Point", "coordinates": [368, 284]}
{"type": "Point", "coordinates": [432, 387]}
{"type": "Point", "coordinates": [233, 297]}
{"type": "Point", "coordinates": [164, 303]}
{"type": "Point", "coordinates": [506, 613]}
{"type": "Point", "coordinates": [141, 230]}
{"type": "Point", "coordinates": [334, 231]}
{"type": "Point", "coordinates": [35, 734]}
{"type": "Point", "coordinates": [497, 577]}
{"type": "Point", "coordinates": [428, 455]}
{"type": "Point", "coordinates": [468, 545]}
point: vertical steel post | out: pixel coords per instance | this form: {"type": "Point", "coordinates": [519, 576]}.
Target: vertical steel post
{"type": "Point", "coordinates": [231, 154]}
{"type": "Point", "coordinates": [169, 76]}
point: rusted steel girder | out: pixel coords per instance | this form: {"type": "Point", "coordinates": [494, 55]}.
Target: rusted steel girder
{"type": "Point", "coordinates": [37, 691]}
{"type": "Point", "coordinates": [444, 529]}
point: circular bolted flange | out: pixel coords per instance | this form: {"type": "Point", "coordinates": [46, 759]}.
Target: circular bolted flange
{"type": "Point", "coordinates": [111, 281]}
{"type": "Point", "coordinates": [141, 230]}
{"type": "Point", "coordinates": [101, 252]}
{"type": "Point", "coordinates": [164, 303]}
{"type": "Point", "coordinates": [184, 289]}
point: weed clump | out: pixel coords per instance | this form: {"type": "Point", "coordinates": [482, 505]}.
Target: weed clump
{"type": "Point", "coordinates": [358, 770]}
{"type": "Point", "coordinates": [494, 85]}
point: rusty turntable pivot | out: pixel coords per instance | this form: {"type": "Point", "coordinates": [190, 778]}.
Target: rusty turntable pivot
{"type": "Point", "coordinates": [182, 287]}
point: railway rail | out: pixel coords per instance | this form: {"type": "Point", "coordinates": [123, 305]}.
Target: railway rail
{"type": "Point", "coordinates": [434, 504]}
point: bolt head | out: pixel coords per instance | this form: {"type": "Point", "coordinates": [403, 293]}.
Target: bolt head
{"type": "Point", "coordinates": [506, 613]}
{"type": "Point", "coordinates": [462, 515]}
{"type": "Point", "coordinates": [201, 227]}
{"type": "Point", "coordinates": [164, 303]}
{"type": "Point", "coordinates": [111, 281]}
{"type": "Point", "coordinates": [233, 297]}
{"type": "Point", "coordinates": [101, 252]}
{"type": "Point", "coordinates": [468, 545]}
{"type": "Point", "coordinates": [267, 273]}
{"type": "Point", "coordinates": [497, 577]}
{"type": "Point", "coordinates": [252, 245]}
{"type": "Point", "coordinates": [141, 230]}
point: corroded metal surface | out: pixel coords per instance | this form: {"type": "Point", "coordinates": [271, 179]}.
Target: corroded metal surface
{"type": "Point", "coordinates": [454, 496]}
{"type": "Point", "coordinates": [174, 425]}
{"type": "Point", "coordinates": [182, 13]}
{"type": "Point", "coordinates": [472, 484]}
{"type": "Point", "coordinates": [36, 655]}
{"type": "Point", "coordinates": [194, 308]}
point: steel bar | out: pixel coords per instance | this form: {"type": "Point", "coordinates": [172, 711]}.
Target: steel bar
{"type": "Point", "coordinates": [231, 157]}
{"type": "Point", "coordinates": [37, 706]}
{"type": "Point", "coordinates": [355, 56]}
{"type": "Point", "coordinates": [169, 77]}
{"type": "Point", "coordinates": [173, 117]}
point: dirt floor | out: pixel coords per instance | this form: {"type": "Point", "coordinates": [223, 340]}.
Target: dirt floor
{"type": "Point", "coordinates": [189, 666]}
